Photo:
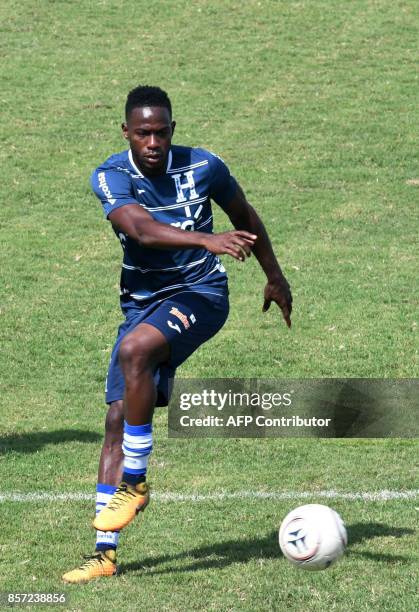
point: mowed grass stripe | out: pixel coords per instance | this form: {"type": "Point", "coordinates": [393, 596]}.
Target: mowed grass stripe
{"type": "Point", "coordinates": [384, 495]}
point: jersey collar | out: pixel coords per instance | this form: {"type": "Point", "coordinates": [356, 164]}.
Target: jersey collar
{"type": "Point", "coordinates": [169, 161]}
{"type": "Point", "coordinates": [137, 170]}
{"type": "Point", "coordinates": [131, 161]}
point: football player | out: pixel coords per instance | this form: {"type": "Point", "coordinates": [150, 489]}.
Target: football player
{"type": "Point", "coordinates": [173, 292]}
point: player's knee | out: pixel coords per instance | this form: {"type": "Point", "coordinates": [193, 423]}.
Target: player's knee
{"type": "Point", "coordinates": [134, 352]}
{"type": "Point", "coordinates": [114, 423]}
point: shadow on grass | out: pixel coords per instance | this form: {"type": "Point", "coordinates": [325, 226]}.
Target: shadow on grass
{"type": "Point", "coordinates": [216, 556]}
{"type": "Point", "coordinates": [360, 532]}
{"type": "Point", "coordinates": [222, 554]}
{"type": "Point", "coordinates": [31, 442]}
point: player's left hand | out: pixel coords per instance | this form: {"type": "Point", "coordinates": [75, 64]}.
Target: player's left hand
{"type": "Point", "coordinates": [278, 290]}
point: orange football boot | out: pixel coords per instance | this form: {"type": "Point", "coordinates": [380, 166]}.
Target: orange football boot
{"type": "Point", "coordinates": [123, 506]}
{"type": "Point", "coordinates": [102, 563]}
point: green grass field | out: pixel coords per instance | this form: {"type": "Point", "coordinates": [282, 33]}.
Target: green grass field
{"type": "Point", "coordinates": [313, 105]}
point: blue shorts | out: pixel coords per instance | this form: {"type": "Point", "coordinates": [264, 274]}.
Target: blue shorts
{"type": "Point", "coordinates": [187, 320]}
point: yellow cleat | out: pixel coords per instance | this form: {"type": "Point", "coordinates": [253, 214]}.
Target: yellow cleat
{"type": "Point", "coordinates": [102, 563]}
{"type": "Point", "coordinates": [123, 506]}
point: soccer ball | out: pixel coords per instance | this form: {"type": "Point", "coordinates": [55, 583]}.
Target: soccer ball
{"type": "Point", "coordinates": [313, 537]}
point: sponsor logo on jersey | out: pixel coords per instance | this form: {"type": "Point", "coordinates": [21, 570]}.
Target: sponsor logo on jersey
{"type": "Point", "coordinates": [103, 185]}
{"type": "Point", "coordinates": [175, 311]}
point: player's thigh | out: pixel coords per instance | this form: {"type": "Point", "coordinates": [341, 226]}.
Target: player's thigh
{"type": "Point", "coordinates": [144, 346]}
{"type": "Point", "coordinates": [114, 389]}
{"type": "Point", "coordinates": [187, 320]}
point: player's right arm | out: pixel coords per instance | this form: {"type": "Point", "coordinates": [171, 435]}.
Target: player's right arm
{"type": "Point", "coordinates": [140, 226]}
{"type": "Point", "coordinates": [115, 191]}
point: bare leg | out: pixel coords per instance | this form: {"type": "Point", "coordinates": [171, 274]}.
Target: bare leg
{"type": "Point", "coordinates": [140, 353]}
{"type": "Point", "coordinates": [112, 457]}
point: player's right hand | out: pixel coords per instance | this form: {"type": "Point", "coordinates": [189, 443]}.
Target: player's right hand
{"type": "Point", "coordinates": [237, 243]}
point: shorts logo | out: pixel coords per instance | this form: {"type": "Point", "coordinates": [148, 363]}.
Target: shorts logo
{"type": "Point", "coordinates": [174, 326]}
{"type": "Point", "coordinates": [175, 311]}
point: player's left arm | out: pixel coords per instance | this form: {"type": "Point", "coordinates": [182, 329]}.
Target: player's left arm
{"type": "Point", "coordinates": [244, 217]}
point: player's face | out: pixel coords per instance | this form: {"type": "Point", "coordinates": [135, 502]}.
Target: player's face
{"type": "Point", "coordinates": [149, 131]}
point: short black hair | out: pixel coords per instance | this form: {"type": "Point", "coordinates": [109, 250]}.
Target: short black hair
{"type": "Point", "coordinates": [145, 95]}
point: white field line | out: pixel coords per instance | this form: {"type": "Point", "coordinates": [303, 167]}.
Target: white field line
{"type": "Point", "coordinates": [366, 496]}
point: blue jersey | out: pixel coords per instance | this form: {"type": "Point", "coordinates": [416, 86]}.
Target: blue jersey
{"type": "Point", "coordinates": [180, 197]}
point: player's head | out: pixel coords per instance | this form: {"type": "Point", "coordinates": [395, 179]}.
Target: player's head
{"type": "Point", "coordinates": [145, 95]}
{"type": "Point", "coordinates": [149, 127]}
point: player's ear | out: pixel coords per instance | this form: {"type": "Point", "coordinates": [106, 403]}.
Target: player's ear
{"type": "Point", "coordinates": [173, 124]}
{"type": "Point", "coordinates": [124, 130]}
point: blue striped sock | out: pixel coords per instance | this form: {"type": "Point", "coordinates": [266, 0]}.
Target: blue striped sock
{"type": "Point", "coordinates": [137, 446]}
{"type": "Point", "coordinates": [105, 539]}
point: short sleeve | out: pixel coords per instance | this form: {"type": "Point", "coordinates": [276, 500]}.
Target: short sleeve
{"type": "Point", "coordinates": [113, 188]}
{"type": "Point", "coordinates": [223, 185]}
